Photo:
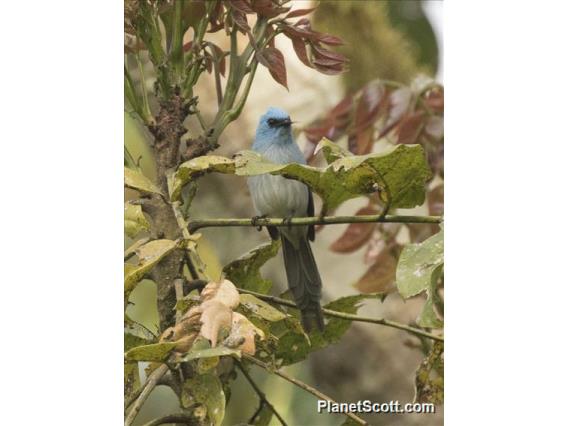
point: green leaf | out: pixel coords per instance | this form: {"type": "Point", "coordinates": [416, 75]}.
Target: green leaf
{"type": "Point", "coordinates": [400, 173]}
{"type": "Point", "coordinates": [429, 380]}
{"type": "Point", "coordinates": [211, 352]}
{"type": "Point", "coordinates": [136, 180]}
{"type": "Point", "coordinates": [244, 272]}
{"type": "Point", "coordinates": [293, 346]}
{"type": "Point", "coordinates": [149, 255]}
{"type": "Point", "coordinates": [134, 220]}
{"type": "Point", "coordinates": [417, 264]}
{"type": "Point", "coordinates": [263, 417]}
{"type": "Point", "coordinates": [419, 268]}
{"type": "Point", "coordinates": [261, 308]}
{"type": "Point", "coordinates": [205, 389]}
{"type": "Point", "coordinates": [197, 167]}
{"type": "Point", "coordinates": [131, 379]}
{"type": "Point", "coordinates": [136, 335]}
{"type": "Point", "coordinates": [155, 352]}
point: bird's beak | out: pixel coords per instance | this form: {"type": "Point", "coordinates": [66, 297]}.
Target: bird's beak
{"type": "Point", "coordinates": [286, 122]}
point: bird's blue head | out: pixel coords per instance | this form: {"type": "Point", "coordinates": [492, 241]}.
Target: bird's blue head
{"type": "Point", "coordinates": [274, 127]}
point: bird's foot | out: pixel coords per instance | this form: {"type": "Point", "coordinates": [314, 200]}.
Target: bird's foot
{"type": "Point", "coordinates": [287, 221]}
{"type": "Point", "coordinates": [255, 220]}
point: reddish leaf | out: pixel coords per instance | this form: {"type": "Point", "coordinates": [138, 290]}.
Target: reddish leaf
{"type": "Point", "coordinates": [325, 62]}
{"type": "Point", "coordinates": [222, 66]}
{"type": "Point", "coordinates": [329, 39]}
{"type": "Point", "coordinates": [436, 201]}
{"type": "Point", "coordinates": [218, 56]}
{"type": "Point", "coordinates": [216, 18]}
{"type": "Point", "coordinates": [400, 102]}
{"type": "Point", "coordinates": [320, 52]}
{"type": "Point", "coordinates": [436, 158]}
{"type": "Point", "coordinates": [304, 22]}
{"type": "Point", "coordinates": [420, 231]}
{"type": "Point", "coordinates": [299, 12]}
{"type": "Point", "coordinates": [269, 33]}
{"type": "Point", "coordinates": [187, 46]}
{"type": "Point", "coordinates": [240, 20]}
{"type": "Point", "coordinates": [343, 108]}
{"type": "Point", "coordinates": [276, 65]}
{"type": "Point", "coordinates": [380, 277]}
{"type": "Point", "coordinates": [241, 5]}
{"type": "Point", "coordinates": [369, 105]}
{"type": "Point", "coordinates": [356, 234]}
{"type": "Point", "coordinates": [435, 100]}
{"type": "Point", "coordinates": [301, 52]}
{"type": "Point", "coordinates": [301, 29]}
{"type": "Point", "coordinates": [208, 63]}
{"type": "Point", "coordinates": [261, 59]}
{"type": "Point", "coordinates": [410, 127]}
{"type": "Point", "coordinates": [330, 69]}
{"type": "Point", "coordinates": [268, 8]}
{"type": "Point", "coordinates": [361, 142]}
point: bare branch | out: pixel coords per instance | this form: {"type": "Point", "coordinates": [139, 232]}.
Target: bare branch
{"type": "Point", "coordinates": [302, 385]}
{"type": "Point", "coordinates": [148, 387]}
{"type": "Point", "coordinates": [196, 224]}
{"type": "Point", "coordinates": [260, 394]}
{"type": "Point", "coordinates": [350, 317]}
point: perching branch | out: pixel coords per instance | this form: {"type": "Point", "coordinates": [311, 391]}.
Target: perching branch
{"type": "Point", "coordinates": [350, 317]}
{"type": "Point", "coordinates": [260, 394]}
{"type": "Point", "coordinates": [302, 385]}
{"type": "Point", "coordinates": [196, 224]}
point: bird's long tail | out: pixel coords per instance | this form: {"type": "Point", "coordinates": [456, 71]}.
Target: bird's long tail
{"type": "Point", "coordinates": [304, 281]}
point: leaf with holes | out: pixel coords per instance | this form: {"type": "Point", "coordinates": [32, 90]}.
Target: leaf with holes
{"type": "Point", "coordinates": [207, 390]}
{"type": "Point", "coordinates": [245, 271]}
{"type": "Point", "coordinates": [399, 173]}
{"type": "Point", "coordinates": [419, 268]}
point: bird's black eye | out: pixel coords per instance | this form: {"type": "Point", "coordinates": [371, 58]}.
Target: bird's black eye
{"type": "Point", "coordinates": [271, 122]}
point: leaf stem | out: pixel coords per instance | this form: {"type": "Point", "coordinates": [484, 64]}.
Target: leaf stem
{"type": "Point", "coordinates": [196, 224]}
{"type": "Point", "coordinates": [302, 385]}
{"type": "Point", "coordinates": [350, 317]}
{"type": "Point", "coordinates": [260, 394]}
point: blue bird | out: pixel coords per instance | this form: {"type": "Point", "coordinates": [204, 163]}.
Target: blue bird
{"type": "Point", "coordinates": [276, 196]}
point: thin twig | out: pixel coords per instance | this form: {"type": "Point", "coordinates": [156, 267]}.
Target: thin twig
{"type": "Point", "coordinates": [260, 394]}
{"type": "Point", "coordinates": [178, 286]}
{"type": "Point", "coordinates": [182, 224]}
{"type": "Point", "coordinates": [196, 224]}
{"type": "Point", "coordinates": [302, 385]}
{"type": "Point", "coordinates": [172, 418]}
{"type": "Point", "coordinates": [346, 316]}
{"type": "Point", "coordinates": [149, 386]}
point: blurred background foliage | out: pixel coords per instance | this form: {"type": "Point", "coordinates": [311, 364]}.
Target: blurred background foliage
{"type": "Point", "coordinates": [393, 40]}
